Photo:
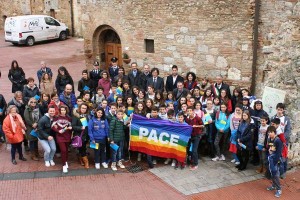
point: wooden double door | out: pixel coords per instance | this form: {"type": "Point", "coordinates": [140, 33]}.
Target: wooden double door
{"type": "Point", "coordinates": [113, 50]}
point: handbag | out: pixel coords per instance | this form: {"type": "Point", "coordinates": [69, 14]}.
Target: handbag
{"type": "Point", "coordinates": [77, 140]}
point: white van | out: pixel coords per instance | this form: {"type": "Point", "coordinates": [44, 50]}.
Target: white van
{"type": "Point", "coordinates": [29, 29]}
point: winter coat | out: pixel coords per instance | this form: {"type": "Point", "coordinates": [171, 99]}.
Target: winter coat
{"type": "Point", "coordinates": [52, 103]}
{"type": "Point", "coordinates": [222, 121]}
{"type": "Point", "coordinates": [61, 82]}
{"type": "Point", "coordinates": [20, 106]}
{"type": "Point", "coordinates": [85, 83]}
{"type": "Point", "coordinates": [40, 73]}
{"type": "Point", "coordinates": [70, 102]}
{"type": "Point", "coordinates": [30, 92]}
{"type": "Point", "coordinates": [47, 87]}
{"type": "Point", "coordinates": [105, 84]}
{"type": "Point", "coordinates": [3, 106]}
{"type": "Point", "coordinates": [17, 77]}
{"type": "Point", "coordinates": [61, 123]}
{"type": "Point", "coordinates": [117, 130]}
{"type": "Point", "coordinates": [77, 125]}
{"type": "Point", "coordinates": [44, 127]}
{"type": "Point", "coordinates": [195, 121]}
{"type": "Point", "coordinates": [245, 136]}
{"type": "Point", "coordinates": [29, 121]}
{"type": "Point", "coordinates": [98, 129]}
{"type": "Point", "coordinates": [11, 136]}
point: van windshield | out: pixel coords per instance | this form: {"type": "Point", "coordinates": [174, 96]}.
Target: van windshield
{"type": "Point", "coordinates": [52, 22]}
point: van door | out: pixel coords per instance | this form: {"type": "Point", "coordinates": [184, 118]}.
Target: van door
{"type": "Point", "coordinates": [51, 28]}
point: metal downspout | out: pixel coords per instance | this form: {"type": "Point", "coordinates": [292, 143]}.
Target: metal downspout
{"type": "Point", "coordinates": [72, 18]}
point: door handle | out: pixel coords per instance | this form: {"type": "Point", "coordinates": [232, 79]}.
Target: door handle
{"type": "Point", "coordinates": [47, 26]}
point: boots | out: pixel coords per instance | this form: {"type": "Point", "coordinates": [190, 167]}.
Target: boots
{"type": "Point", "coordinates": [260, 169]}
{"type": "Point", "coordinates": [80, 160]}
{"type": "Point", "coordinates": [86, 162]}
{"type": "Point", "coordinates": [34, 157]}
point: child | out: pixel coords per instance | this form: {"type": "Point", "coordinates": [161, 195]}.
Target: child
{"type": "Point", "coordinates": [171, 115]}
{"type": "Point", "coordinates": [86, 99]}
{"type": "Point", "coordinates": [112, 97]}
{"type": "Point", "coordinates": [129, 106]}
{"type": "Point", "coordinates": [275, 149]}
{"type": "Point", "coordinates": [140, 109]}
{"type": "Point", "coordinates": [216, 104]}
{"type": "Point", "coordinates": [85, 84]}
{"type": "Point", "coordinates": [207, 95]}
{"type": "Point", "coordinates": [126, 89]}
{"type": "Point", "coordinates": [196, 93]}
{"type": "Point", "coordinates": [105, 107]}
{"type": "Point", "coordinates": [149, 105]}
{"type": "Point", "coordinates": [159, 99]}
{"type": "Point", "coordinates": [285, 123]}
{"type": "Point", "coordinates": [181, 120]}
{"type": "Point", "coordinates": [44, 102]}
{"type": "Point", "coordinates": [117, 136]}
{"type": "Point", "coordinates": [170, 106]}
{"type": "Point", "coordinates": [119, 101]}
{"type": "Point", "coordinates": [98, 132]}
{"type": "Point", "coordinates": [192, 102]}
{"type": "Point", "coordinates": [197, 133]}
{"type": "Point", "coordinates": [198, 109]}
{"type": "Point", "coordinates": [261, 143]}
{"type": "Point", "coordinates": [163, 112]}
{"type": "Point", "coordinates": [222, 124]}
{"type": "Point", "coordinates": [150, 92]}
{"type": "Point", "coordinates": [170, 98]}
{"type": "Point", "coordinates": [141, 96]}
{"type": "Point", "coordinates": [99, 96]}
{"type": "Point", "coordinates": [112, 112]}
{"type": "Point", "coordinates": [210, 126]}
{"type": "Point", "coordinates": [235, 119]}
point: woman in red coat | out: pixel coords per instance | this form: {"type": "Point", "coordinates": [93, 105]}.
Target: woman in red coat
{"type": "Point", "coordinates": [190, 82]}
{"type": "Point", "coordinates": [105, 83]}
{"type": "Point", "coordinates": [14, 130]}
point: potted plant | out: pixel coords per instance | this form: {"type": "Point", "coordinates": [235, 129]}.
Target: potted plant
{"type": "Point", "coordinates": [126, 58]}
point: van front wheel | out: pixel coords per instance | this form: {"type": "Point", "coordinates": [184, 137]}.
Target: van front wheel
{"type": "Point", "coordinates": [30, 41]}
{"type": "Point", "coordinates": [63, 35]}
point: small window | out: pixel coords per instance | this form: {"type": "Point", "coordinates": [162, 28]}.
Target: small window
{"type": "Point", "coordinates": [149, 46]}
{"type": "Point", "coordinates": [52, 22]}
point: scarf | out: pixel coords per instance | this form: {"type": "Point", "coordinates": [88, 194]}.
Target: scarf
{"type": "Point", "coordinates": [14, 125]}
{"type": "Point", "coordinates": [35, 114]}
{"type": "Point", "coordinates": [17, 103]}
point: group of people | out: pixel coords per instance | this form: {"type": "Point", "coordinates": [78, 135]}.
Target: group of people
{"type": "Point", "coordinates": [49, 112]}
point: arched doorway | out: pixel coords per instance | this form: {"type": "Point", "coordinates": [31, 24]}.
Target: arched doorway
{"type": "Point", "coordinates": [107, 44]}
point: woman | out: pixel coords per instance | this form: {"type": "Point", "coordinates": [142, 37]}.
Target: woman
{"type": "Point", "coordinates": [98, 133]}
{"type": "Point", "coordinates": [47, 85]}
{"type": "Point", "coordinates": [225, 99]}
{"type": "Point", "coordinates": [44, 103]}
{"type": "Point", "coordinates": [63, 130]}
{"type": "Point", "coordinates": [46, 136]}
{"type": "Point", "coordinates": [204, 86]}
{"type": "Point", "coordinates": [236, 97]}
{"type": "Point", "coordinates": [105, 83]}
{"type": "Point", "coordinates": [55, 102]}
{"type": "Point", "coordinates": [32, 115]}
{"type": "Point", "coordinates": [17, 76]}
{"type": "Point", "coordinates": [63, 78]}
{"type": "Point", "coordinates": [207, 96]}
{"type": "Point", "coordinates": [159, 98]}
{"type": "Point", "coordinates": [30, 90]}
{"type": "Point", "coordinates": [80, 127]}
{"type": "Point", "coordinates": [190, 82]}
{"type": "Point", "coordinates": [244, 139]}
{"type": "Point", "coordinates": [14, 130]}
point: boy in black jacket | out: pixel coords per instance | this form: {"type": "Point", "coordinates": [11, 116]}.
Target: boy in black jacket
{"type": "Point", "coordinates": [275, 149]}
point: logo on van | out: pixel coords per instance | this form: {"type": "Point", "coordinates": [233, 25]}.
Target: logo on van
{"type": "Point", "coordinates": [33, 24]}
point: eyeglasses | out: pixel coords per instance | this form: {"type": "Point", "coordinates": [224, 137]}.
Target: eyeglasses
{"type": "Point", "coordinates": [33, 102]}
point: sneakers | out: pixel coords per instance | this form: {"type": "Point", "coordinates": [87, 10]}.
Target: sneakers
{"type": "Point", "coordinates": [270, 188]}
{"type": "Point", "coordinates": [283, 176]}
{"type": "Point", "coordinates": [233, 161]}
{"type": "Point", "coordinates": [192, 168]}
{"type": "Point", "coordinates": [278, 193]}
{"type": "Point", "coordinates": [167, 161]}
{"type": "Point", "coordinates": [237, 163]}
{"type": "Point", "coordinates": [216, 158]}
{"type": "Point", "coordinates": [113, 166]}
{"type": "Point", "coordinates": [104, 164]}
{"type": "Point", "coordinates": [120, 164]}
{"type": "Point", "coordinates": [173, 163]}
{"type": "Point", "coordinates": [222, 157]}
{"type": "Point", "coordinates": [97, 165]}
{"type": "Point", "coordinates": [65, 169]}
{"type": "Point", "coordinates": [154, 162]}
{"type": "Point", "coordinates": [67, 165]}
{"type": "Point", "coordinates": [139, 158]}
{"type": "Point", "coordinates": [52, 163]}
{"type": "Point", "coordinates": [47, 163]}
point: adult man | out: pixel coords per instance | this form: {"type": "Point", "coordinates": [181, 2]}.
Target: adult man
{"type": "Point", "coordinates": [180, 91]}
{"type": "Point", "coordinates": [121, 75]}
{"type": "Point", "coordinates": [68, 97]}
{"type": "Point", "coordinates": [95, 76]}
{"type": "Point", "coordinates": [114, 69]}
{"type": "Point", "coordinates": [133, 75]}
{"type": "Point", "coordinates": [220, 85]}
{"type": "Point", "coordinates": [44, 69]}
{"type": "Point", "coordinates": [155, 80]}
{"type": "Point", "coordinates": [143, 77]}
{"type": "Point", "coordinates": [173, 79]}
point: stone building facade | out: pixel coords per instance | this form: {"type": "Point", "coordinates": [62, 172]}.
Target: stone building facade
{"type": "Point", "coordinates": [208, 37]}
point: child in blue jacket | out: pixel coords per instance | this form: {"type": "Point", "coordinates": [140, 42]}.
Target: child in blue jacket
{"type": "Point", "coordinates": [222, 123]}
{"type": "Point", "coordinates": [98, 132]}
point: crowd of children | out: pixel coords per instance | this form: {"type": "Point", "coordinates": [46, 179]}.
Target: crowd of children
{"type": "Point", "coordinates": [100, 117]}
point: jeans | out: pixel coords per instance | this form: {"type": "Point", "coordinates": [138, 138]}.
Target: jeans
{"type": "Point", "coordinates": [195, 141]}
{"type": "Point", "coordinates": [14, 147]}
{"type": "Point", "coordinates": [220, 137]}
{"type": "Point", "coordinates": [274, 171]}
{"type": "Point", "coordinates": [64, 151]}
{"type": "Point", "coordinates": [100, 153]}
{"type": "Point", "coordinates": [49, 148]}
{"type": "Point", "coordinates": [117, 155]}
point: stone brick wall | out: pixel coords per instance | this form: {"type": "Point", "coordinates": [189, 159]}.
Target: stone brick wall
{"type": "Point", "coordinates": [279, 59]}
{"type": "Point", "coordinates": [208, 37]}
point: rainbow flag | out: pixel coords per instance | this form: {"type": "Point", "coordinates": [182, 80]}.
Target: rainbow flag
{"type": "Point", "coordinates": [160, 138]}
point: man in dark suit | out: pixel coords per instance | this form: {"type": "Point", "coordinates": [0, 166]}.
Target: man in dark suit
{"type": "Point", "coordinates": [95, 76]}
{"type": "Point", "coordinates": [114, 69]}
{"type": "Point", "coordinates": [143, 78]}
{"type": "Point", "coordinates": [180, 91]}
{"type": "Point", "coordinates": [156, 81]}
{"type": "Point", "coordinates": [220, 85]}
{"type": "Point", "coordinates": [173, 79]}
{"type": "Point", "coordinates": [133, 75]}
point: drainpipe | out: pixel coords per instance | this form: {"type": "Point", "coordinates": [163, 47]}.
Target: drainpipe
{"type": "Point", "coordinates": [255, 45]}
{"type": "Point", "coordinates": [72, 18]}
